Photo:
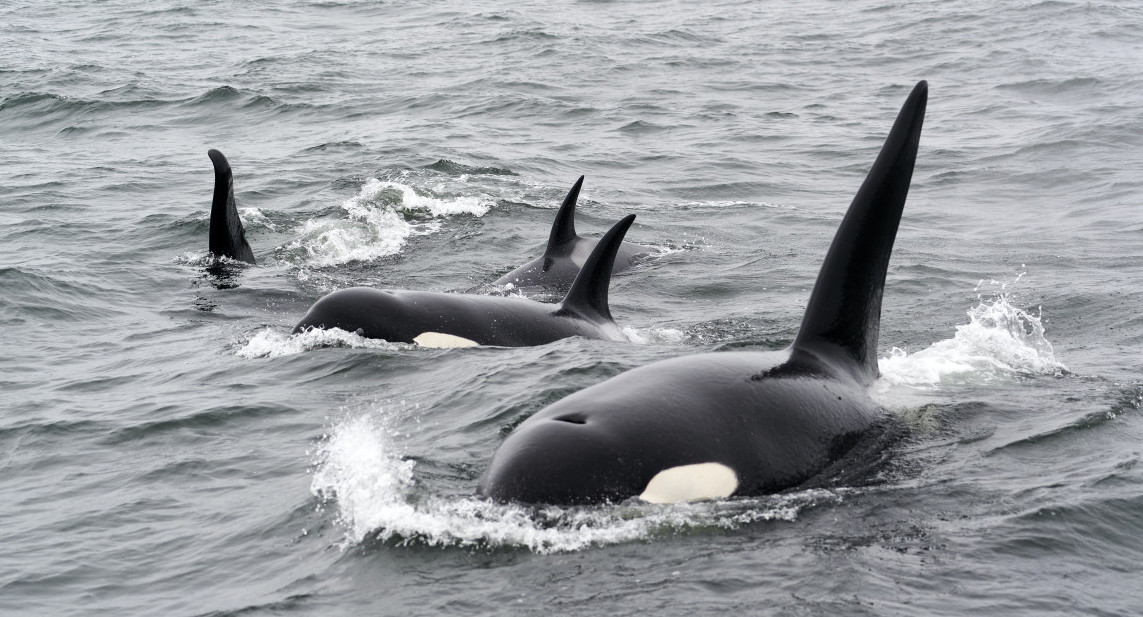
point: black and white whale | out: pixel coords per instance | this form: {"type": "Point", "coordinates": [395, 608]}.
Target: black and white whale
{"type": "Point", "coordinates": [717, 425]}
{"type": "Point", "coordinates": [566, 252]}
{"type": "Point", "coordinates": [227, 236]}
{"type": "Point", "coordinates": [462, 320]}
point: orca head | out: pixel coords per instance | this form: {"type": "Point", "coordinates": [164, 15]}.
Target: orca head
{"type": "Point", "coordinates": [657, 433]}
{"type": "Point", "coordinates": [562, 460]}
{"type": "Point", "coordinates": [372, 313]}
{"type": "Point", "coordinates": [572, 458]}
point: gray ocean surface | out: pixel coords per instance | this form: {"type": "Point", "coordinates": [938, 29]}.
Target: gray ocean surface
{"type": "Point", "coordinates": [168, 448]}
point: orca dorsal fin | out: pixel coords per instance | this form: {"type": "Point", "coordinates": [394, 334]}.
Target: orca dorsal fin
{"type": "Point", "coordinates": [563, 234]}
{"type": "Point", "coordinates": [227, 237]}
{"type": "Point", "coordinates": [844, 311]}
{"type": "Point", "coordinates": [588, 294]}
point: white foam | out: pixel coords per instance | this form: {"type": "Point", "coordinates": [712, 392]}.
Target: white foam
{"type": "Point", "coordinates": [373, 234]}
{"type": "Point", "coordinates": [412, 201]}
{"type": "Point", "coordinates": [197, 259]}
{"type": "Point", "coordinates": [271, 343]}
{"type": "Point", "coordinates": [358, 468]}
{"type": "Point", "coordinates": [652, 336]}
{"type": "Point", "coordinates": [999, 342]}
{"type": "Point", "coordinates": [375, 226]}
{"type": "Point", "coordinates": [253, 217]}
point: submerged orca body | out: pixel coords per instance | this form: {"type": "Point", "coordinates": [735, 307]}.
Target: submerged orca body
{"type": "Point", "coordinates": [738, 423]}
{"type": "Point", "coordinates": [227, 237]}
{"type": "Point", "coordinates": [462, 320]}
{"type": "Point", "coordinates": [565, 254]}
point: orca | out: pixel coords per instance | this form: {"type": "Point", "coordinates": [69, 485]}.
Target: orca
{"type": "Point", "coordinates": [717, 425]}
{"type": "Point", "coordinates": [432, 319]}
{"type": "Point", "coordinates": [227, 236]}
{"type": "Point", "coordinates": [556, 269]}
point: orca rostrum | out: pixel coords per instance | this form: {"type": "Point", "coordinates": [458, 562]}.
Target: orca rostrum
{"type": "Point", "coordinates": [432, 319]}
{"type": "Point", "coordinates": [717, 425]}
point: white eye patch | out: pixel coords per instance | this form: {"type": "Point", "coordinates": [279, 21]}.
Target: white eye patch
{"type": "Point", "coordinates": [691, 483]}
{"type": "Point", "coordinates": [440, 340]}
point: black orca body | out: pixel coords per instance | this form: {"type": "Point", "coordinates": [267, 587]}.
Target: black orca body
{"type": "Point", "coordinates": [738, 423]}
{"type": "Point", "coordinates": [227, 237]}
{"type": "Point", "coordinates": [565, 254]}
{"type": "Point", "coordinates": [462, 320]}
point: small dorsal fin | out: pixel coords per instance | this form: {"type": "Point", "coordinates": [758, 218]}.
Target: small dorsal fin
{"type": "Point", "coordinates": [563, 234]}
{"type": "Point", "coordinates": [588, 294]}
{"type": "Point", "coordinates": [844, 311]}
{"type": "Point", "coordinates": [227, 237]}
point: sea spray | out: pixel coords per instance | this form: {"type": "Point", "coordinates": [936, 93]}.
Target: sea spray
{"type": "Point", "coordinates": [1000, 341]}
{"type": "Point", "coordinates": [271, 343]}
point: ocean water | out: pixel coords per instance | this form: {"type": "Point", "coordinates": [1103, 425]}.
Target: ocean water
{"type": "Point", "coordinates": [168, 448]}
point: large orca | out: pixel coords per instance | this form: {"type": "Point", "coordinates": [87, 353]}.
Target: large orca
{"type": "Point", "coordinates": [737, 423]}
{"type": "Point", "coordinates": [463, 320]}
{"type": "Point", "coordinates": [227, 237]}
{"type": "Point", "coordinates": [556, 269]}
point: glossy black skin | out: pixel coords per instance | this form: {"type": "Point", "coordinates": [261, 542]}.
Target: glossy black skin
{"type": "Point", "coordinates": [565, 254]}
{"type": "Point", "coordinates": [775, 418]}
{"type": "Point", "coordinates": [605, 443]}
{"type": "Point", "coordinates": [400, 316]}
{"type": "Point", "coordinates": [227, 236]}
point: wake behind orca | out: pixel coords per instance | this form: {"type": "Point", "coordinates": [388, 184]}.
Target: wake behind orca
{"type": "Point", "coordinates": [565, 254]}
{"type": "Point", "coordinates": [462, 320]}
{"type": "Point", "coordinates": [737, 423]}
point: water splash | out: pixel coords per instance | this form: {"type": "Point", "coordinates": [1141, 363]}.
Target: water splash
{"type": "Point", "coordinates": [253, 218]}
{"type": "Point", "coordinates": [357, 467]}
{"type": "Point", "coordinates": [271, 343]}
{"type": "Point", "coordinates": [382, 217]}
{"type": "Point", "coordinates": [999, 342]}
{"type": "Point", "coordinates": [654, 336]}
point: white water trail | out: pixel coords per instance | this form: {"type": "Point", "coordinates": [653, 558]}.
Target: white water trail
{"type": "Point", "coordinates": [381, 219]}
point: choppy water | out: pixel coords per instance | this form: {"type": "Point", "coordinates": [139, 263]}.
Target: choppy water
{"type": "Point", "coordinates": [167, 448]}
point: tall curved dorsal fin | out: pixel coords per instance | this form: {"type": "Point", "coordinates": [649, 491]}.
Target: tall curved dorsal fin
{"type": "Point", "coordinates": [563, 234]}
{"type": "Point", "coordinates": [227, 237]}
{"type": "Point", "coordinates": [844, 311]}
{"type": "Point", "coordinates": [588, 294]}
